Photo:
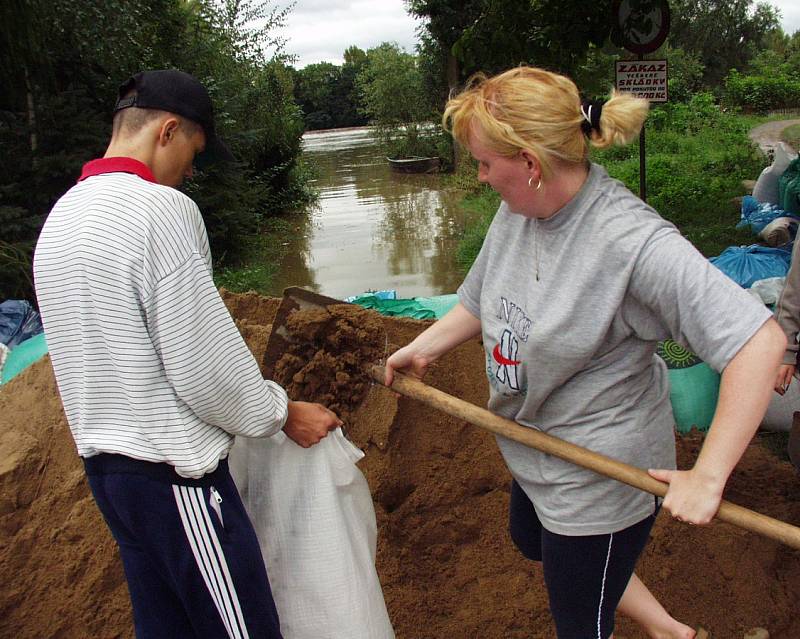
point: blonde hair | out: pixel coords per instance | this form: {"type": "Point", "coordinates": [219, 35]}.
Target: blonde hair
{"type": "Point", "coordinates": [527, 108]}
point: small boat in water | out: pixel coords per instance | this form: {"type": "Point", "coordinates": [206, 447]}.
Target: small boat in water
{"type": "Point", "coordinates": [414, 165]}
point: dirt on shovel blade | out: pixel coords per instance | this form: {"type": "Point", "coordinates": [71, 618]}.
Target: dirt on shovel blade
{"type": "Point", "coordinates": [325, 355]}
{"type": "Point", "coordinates": [445, 560]}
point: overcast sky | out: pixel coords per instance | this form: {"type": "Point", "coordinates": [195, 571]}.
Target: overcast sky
{"type": "Point", "coordinates": [320, 30]}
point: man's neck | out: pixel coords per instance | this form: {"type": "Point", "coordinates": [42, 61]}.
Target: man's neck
{"type": "Point", "coordinates": [129, 149]}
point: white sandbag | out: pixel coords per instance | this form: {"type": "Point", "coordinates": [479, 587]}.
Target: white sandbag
{"type": "Point", "coordinates": [781, 409]}
{"type": "Point", "coordinates": [315, 521]}
{"type": "Point", "coordinates": [766, 187]}
{"type": "Point", "coordinates": [768, 290]}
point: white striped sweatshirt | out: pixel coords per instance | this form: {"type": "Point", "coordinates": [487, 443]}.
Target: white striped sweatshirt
{"type": "Point", "coordinates": [148, 361]}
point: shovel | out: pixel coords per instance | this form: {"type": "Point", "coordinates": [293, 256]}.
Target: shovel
{"type": "Point", "coordinates": [298, 299]}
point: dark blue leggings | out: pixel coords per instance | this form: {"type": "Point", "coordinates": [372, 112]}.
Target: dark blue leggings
{"type": "Point", "coordinates": [191, 557]}
{"type": "Point", "coordinates": [585, 576]}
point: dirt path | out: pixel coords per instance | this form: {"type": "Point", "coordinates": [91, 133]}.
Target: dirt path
{"type": "Point", "coordinates": [768, 135]}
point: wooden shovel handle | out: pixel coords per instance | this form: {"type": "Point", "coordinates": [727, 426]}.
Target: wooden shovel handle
{"type": "Point", "coordinates": [728, 512]}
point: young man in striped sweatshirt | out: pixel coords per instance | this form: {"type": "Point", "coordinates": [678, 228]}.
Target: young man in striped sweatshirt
{"type": "Point", "coordinates": [154, 377]}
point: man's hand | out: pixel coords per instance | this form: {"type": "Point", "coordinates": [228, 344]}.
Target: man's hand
{"type": "Point", "coordinates": [308, 423]}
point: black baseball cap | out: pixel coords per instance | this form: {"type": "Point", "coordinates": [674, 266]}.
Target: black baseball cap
{"type": "Point", "coordinates": [180, 93]}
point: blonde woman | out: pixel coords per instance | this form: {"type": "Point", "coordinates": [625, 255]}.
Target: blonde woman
{"type": "Point", "coordinates": [576, 282]}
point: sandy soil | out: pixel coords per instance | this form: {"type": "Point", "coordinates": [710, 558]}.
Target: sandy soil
{"type": "Point", "coordinates": [440, 488]}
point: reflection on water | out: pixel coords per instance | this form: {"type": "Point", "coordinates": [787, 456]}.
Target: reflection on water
{"type": "Point", "coordinates": [372, 229]}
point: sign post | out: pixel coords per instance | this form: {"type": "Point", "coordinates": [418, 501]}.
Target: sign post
{"type": "Point", "coordinates": [641, 26]}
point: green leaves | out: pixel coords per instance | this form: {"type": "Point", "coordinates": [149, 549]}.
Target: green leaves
{"type": "Point", "coordinates": [395, 97]}
{"type": "Point", "coordinates": [494, 35]}
{"type": "Point", "coordinates": [61, 62]}
{"type": "Point", "coordinates": [762, 93]}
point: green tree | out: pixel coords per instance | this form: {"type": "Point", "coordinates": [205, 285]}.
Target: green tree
{"type": "Point", "coordinates": [346, 95]}
{"type": "Point", "coordinates": [493, 35]}
{"type": "Point", "coordinates": [685, 74]}
{"type": "Point", "coordinates": [391, 86]}
{"type": "Point", "coordinates": [723, 34]}
{"type": "Point", "coordinates": [393, 96]}
{"type": "Point", "coordinates": [446, 21]}
{"type": "Point", "coordinates": [327, 93]}
{"type": "Point", "coordinates": [316, 94]}
{"type": "Point", "coordinates": [60, 64]}
{"type": "Point", "coordinates": [780, 56]}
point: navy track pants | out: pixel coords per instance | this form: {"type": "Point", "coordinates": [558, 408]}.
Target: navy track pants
{"type": "Point", "coordinates": [191, 557]}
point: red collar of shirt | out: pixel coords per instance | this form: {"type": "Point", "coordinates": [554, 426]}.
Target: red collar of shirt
{"type": "Point", "coordinates": [117, 165]}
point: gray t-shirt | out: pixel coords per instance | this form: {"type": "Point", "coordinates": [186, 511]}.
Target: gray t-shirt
{"type": "Point", "coordinates": [571, 309]}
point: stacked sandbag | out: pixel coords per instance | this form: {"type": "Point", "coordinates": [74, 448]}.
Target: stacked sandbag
{"type": "Point", "coordinates": [694, 387]}
{"type": "Point", "coordinates": [766, 188]}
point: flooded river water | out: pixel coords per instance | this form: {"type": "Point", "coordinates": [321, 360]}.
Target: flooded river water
{"type": "Point", "coordinates": [373, 229]}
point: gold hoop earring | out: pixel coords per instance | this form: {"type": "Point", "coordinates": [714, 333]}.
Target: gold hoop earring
{"type": "Point", "coordinates": [538, 185]}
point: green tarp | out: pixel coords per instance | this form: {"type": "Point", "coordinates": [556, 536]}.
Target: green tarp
{"type": "Point", "coordinates": [789, 188]}
{"type": "Point", "coordinates": [22, 356]}
{"type": "Point", "coordinates": [416, 307]}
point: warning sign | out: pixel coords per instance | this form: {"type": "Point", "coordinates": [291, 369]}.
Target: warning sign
{"type": "Point", "coordinates": [644, 78]}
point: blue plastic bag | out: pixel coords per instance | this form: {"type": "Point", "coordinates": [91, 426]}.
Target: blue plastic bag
{"type": "Point", "coordinates": [389, 294]}
{"type": "Point", "coordinates": [748, 264]}
{"type": "Point", "coordinates": [756, 215]}
{"type": "Point", "coordinates": [18, 321]}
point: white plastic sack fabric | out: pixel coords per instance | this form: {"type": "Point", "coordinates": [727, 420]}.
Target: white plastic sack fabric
{"type": "Point", "coordinates": [768, 290]}
{"type": "Point", "coordinates": [3, 356]}
{"type": "Point", "coordinates": [315, 521]}
{"type": "Point", "coordinates": [780, 411]}
{"type": "Point", "coordinates": [766, 187]}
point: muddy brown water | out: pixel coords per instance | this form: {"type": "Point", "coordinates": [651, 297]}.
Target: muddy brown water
{"type": "Point", "coordinates": [373, 229]}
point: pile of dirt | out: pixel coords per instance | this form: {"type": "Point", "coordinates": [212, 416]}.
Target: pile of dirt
{"type": "Point", "coordinates": [440, 488]}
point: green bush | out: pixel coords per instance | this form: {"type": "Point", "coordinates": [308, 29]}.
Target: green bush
{"type": "Point", "coordinates": [696, 157]}
{"type": "Point", "coordinates": [257, 259]}
{"type": "Point", "coordinates": [759, 93]}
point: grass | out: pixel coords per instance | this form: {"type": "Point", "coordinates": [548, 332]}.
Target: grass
{"type": "Point", "coordinates": [791, 136]}
{"type": "Point", "coordinates": [259, 259]}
